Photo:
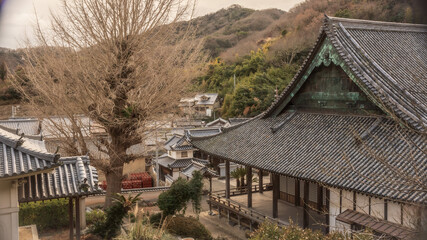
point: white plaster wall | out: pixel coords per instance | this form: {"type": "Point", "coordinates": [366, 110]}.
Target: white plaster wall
{"type": "Point", "coordinates": [312, 196]}
{"type": "Point", "coordinates": [9, 221]}
{"type": "Point", "coordinates": [222, 169]}
{"type": "Point", "coordinates": [410, 214]}
{"type": "Point", "coordinates": [175, 173]}
{"type": "Point", "coordinates": [393, 212]}
{"type": "Point", "coordinates": [347, 200]}
{"type": "Point", "coordinates": [334, 207]}
{"type": "Point", "coordinates": [362, 203]}
{"type": "Point", "coordinates": [377, 207]}
{"type": "Point", "coordinates": [291, 186]}
{"type": "Point", "coordinates": [283, 183]}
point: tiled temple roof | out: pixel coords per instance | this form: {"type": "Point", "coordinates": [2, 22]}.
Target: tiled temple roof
{"type": "Point", "coordinates": [169, 162]}
{"type": "Point", "coordinates": [74, 177]}
{"type": "Point", "coordinates": [388, 61]}
{"type": "Point", "coordinates": [380, 156]}
{"type": "Point", "coordinates": [20, 156]}
{"type": "Point", "coordinates": [362, 153]}
{"type": "Point", "coordinates": [202, 168]}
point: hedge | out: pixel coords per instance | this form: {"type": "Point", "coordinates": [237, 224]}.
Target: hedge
{"type": "Point", "coordinates": [46, 215]}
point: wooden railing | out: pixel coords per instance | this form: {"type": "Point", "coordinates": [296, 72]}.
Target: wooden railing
{"type": "Point", "coordinates": [242, 190]}
{"type": "Point", "coordinates": [245, 212]}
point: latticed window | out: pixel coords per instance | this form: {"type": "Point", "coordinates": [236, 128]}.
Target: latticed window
{"type": "Point", "coordinates": [184, 154]}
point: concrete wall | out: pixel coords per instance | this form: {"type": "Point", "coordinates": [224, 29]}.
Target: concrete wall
{"type": "Point", "coordinates": [9, 220]}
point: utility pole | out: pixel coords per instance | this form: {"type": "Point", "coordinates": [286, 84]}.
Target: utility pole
{"type": "Point", "coordinates": [234, 81]}
{"type": "Point", "coordinates": [157, 158]}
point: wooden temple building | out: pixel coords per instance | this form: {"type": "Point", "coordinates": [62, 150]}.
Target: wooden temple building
{"type": "Point", "coordinates": [345, 142]}
{"type": "Point", "coordinates": [28, 172]}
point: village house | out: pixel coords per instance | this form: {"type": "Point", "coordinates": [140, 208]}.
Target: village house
{"type": "Point", "coordinates": [181, 155]}
{"type": "Point", "coordinates": [202, 105]}
{"type": "Point", "coordinates": [344, 142]}
{"type": "Point", "coordinates": [28, 172]}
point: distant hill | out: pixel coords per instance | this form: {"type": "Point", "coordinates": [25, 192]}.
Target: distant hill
{"type": "Point", "coordinates": [227, 28]}
{"type": "Point", "coordinates": [279, 49]}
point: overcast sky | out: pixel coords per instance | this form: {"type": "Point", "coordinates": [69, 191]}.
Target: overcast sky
{"type": "Point", "coordinates": [17, 17]}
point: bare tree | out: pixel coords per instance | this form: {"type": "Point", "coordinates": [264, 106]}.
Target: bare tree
{"type": "Point", "coordinates": [121, 63]}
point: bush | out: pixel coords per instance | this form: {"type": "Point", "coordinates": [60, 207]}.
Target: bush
{"type": "Point", "coordinates": [187, 227]}
{"type": "Point", "coordinates": [46, 215]}
{"type": "Point", "coordinates": [142, 230]}
{"type": "Point", "coordinates": [156, 219]}
{"type": "Point", "coordinates": [269, 230]}
{"type": "Point", "coordinates": [97, 215]}
{"type": "Point", "coordinates": [110, 226]}
{"type": "Point", "coordinates": [180, 193]}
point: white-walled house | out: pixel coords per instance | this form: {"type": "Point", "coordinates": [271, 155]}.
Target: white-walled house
{"type": "Point", "coordinates": [29, 173]}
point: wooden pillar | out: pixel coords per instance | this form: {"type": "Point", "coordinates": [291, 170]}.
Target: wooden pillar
{"type": "Point", "coordinates": [328, 194]}
{"type": "Point", "coordinates": [319, 198]}
{"type": "Point", "coordinates": [210, 195]}
{"type": "Point", "coordinates": [260, 176]}
{"type": "Point", "coordinates": [297, 193]}
{"type": "Point", "coordinates": [227, 179]}
{"type": "Point", "coordinates": [306, 207]}
{"type": "Point", "coordinates": [77, 218]}
{"type": "Point", "coordinates": [70, 217]}
{"type": "Point", "coordinates": [249, 185]}
{"type": "Point", "coordinates": [276, 193]}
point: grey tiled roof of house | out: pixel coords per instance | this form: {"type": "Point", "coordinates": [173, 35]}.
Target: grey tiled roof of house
{"type": "Point", "coordinates": [169, 162]}
{"type": "Point", "coordinates": [235, 121]}
{"type": "Point", "coordinates": [210, 101]}
{"type": "Point", "coordinates": [74, 177]}
{"type": "Point", "coordinates": [327, 148]}
{"type": "Point", "coordinates": [202, 132]}
{"type": "Point", "coordinates": [219, 122]}
{"type": "Point", "coordinates": [28, 126]}
{"type": "Point", "coordinates": [195, 166]}
{"type": "Point", "coordinates": [389, 61]}
{"type": "Point", "coordinates": [21, 156]}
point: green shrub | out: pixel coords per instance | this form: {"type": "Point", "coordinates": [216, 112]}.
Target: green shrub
{"type": "Point", "coordinates": [97, 215]}
{"type": "Point", "coordinates": [142, 230]}
{"type": "Point", "coordinates": [156, 219]}
{"type": "Point", "coordinates": [180, 193]}
{"type": "Point", "coordinates": [110, 226]}
{"type": "Point", "coordinates": [46, 215]}
{"type": "Point", "coordinates": [269, 230]}
{"type": "Point", "coordinates": [187, 227]}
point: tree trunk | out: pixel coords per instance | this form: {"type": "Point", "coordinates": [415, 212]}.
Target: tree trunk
{"type": "Point", "coordinates": [114, 185]}
{"type": "Point", "coordinates": [237, 183]}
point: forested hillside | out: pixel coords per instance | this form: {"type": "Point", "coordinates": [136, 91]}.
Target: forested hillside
{"type": "Point", "coordinates": [262, 48]}
{"type": "Point", "coordinates": [275, 58]}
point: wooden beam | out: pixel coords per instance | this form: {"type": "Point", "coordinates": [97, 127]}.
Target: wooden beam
{"type": "Point", "coordinates": [306, 207]}
{"type": "Point", "coordinates": [297, 193]}
{"type": "Point", "coordinates": [210, 195]}
{"type": "Point", "coordinates": [260, 181]}
{"type": "Point", "coordinates": [70, 217]}
{"type": "Point", "coordinates": [319, 198]}
{"type": "Point", "coordinates": [249, 185]}
{"type": "Point", "coordinates": [328, 195]}
{"type": "Point", "coordinates": [227, 179]}
{"type": "Point", "coordinates": [77, 218]}
{"type": "Point", "coordinates": [276, 193]}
